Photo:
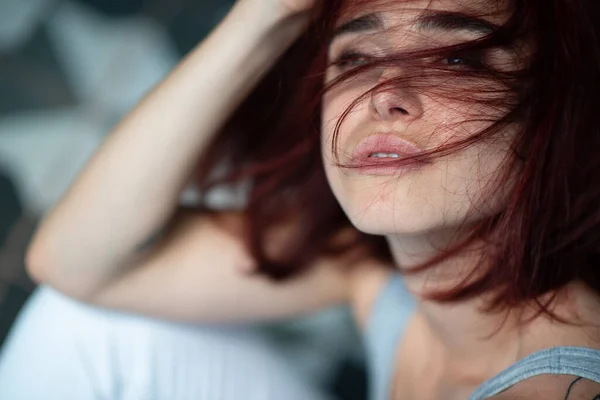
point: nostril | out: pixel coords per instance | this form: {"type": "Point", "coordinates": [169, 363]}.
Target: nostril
{"type": "Point", "coordinates": [399, 110]}
{"type": "Point", "coordinates": [399, 104]}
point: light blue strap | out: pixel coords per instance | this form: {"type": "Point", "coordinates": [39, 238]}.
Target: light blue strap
{"type": "Point", "coordinates": [389, 316]}
{"type": "Point", "coordinates": [577, 361]}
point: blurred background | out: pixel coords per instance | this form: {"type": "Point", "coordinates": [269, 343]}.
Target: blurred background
{"type": "Point", "coordinates": [69, 69]}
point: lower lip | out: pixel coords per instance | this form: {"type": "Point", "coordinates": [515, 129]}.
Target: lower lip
{"type": "Point", "coordinates": [370, 168]}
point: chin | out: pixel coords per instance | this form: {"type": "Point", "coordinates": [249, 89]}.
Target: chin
{"type": "Point", "coordinates": [382, 219]}
{"type": "Point", "coordinates": [415, 204]}
{"type": "Point", "coordinates": [388, 209]}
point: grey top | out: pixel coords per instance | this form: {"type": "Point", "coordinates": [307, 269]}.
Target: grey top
{"type": "Point", "coordinates": [390, 315]}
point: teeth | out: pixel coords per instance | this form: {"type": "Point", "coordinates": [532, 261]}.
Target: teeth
{"type": "Point", "coordinates": [384, 155]}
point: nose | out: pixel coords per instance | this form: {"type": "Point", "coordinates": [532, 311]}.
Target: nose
{"type": "Point", "coordinates": [394, 103]}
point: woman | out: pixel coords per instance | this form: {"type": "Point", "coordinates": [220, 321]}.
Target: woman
{"type": "Point", "coordinates": [453, 140]}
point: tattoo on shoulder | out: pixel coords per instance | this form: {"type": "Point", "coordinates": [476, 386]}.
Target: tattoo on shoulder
{"type": "Point", "coordinates": [596, 397]}
{"type": "Point", "coordinates": [571, 387]}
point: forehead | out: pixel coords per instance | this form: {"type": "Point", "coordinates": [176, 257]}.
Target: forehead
{"type": "Point", "coordinates": [393, 12]}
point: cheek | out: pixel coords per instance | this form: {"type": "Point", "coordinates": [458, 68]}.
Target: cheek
{"type": "Point", "coordinates": [328, 118]}
{"type": "Point", "coordinates": [453, 120]}
{"type": "Point", "coordinates": [475, 177]}
{"type": "Point", "coordinates": [335, 105]}
{"type": "Point", "coordinates": [344, 96]}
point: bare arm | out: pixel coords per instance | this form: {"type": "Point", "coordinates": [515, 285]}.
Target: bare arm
{"type": "Point", "coordinates": [131, 187]}
{"type": "Point", "coordinates": [193, 274]}
{"type": "Point", "coordinates": [86, 246]}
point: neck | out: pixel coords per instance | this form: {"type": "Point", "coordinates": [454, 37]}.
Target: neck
{"type": "Point", "coordinates": [464, 331]}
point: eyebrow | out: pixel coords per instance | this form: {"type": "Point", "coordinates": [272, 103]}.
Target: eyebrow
{"type": "Point", "coordinates": [431, 20]}
{"type": "Point", "coordinates": [368, 22]}
{"type": "Point", "coordinates": [455, 21]}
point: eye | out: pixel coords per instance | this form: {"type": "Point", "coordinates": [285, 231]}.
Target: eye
{"type": "Point", "coordinates": [351, 59]}
{"type": "Point", "coordinates": [473, 59]}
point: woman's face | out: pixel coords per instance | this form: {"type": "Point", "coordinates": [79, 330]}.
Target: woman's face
{"type": "Point", "coordinates": [403, 119]}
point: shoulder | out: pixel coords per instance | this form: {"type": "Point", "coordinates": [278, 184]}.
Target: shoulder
{"type": "Point", "coordinates": [552, 387]}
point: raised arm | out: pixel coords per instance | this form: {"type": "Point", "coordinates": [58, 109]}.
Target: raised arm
{"type": "Point", "coordinates": [87, 245]}
{"type": "Point", "coordinates": [131, 186]}
{"type": "Point", "coordinates": [194, 274]}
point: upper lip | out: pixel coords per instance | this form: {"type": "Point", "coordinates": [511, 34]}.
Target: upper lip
{"type": "Point", "coordinates": [384, 143]}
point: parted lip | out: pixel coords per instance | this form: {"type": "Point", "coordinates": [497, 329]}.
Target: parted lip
{"type": "Point", "coordinates": [383, 143]}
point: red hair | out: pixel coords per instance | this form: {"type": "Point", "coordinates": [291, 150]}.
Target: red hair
{"type": "Point", "coordinates": [548, 232]}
